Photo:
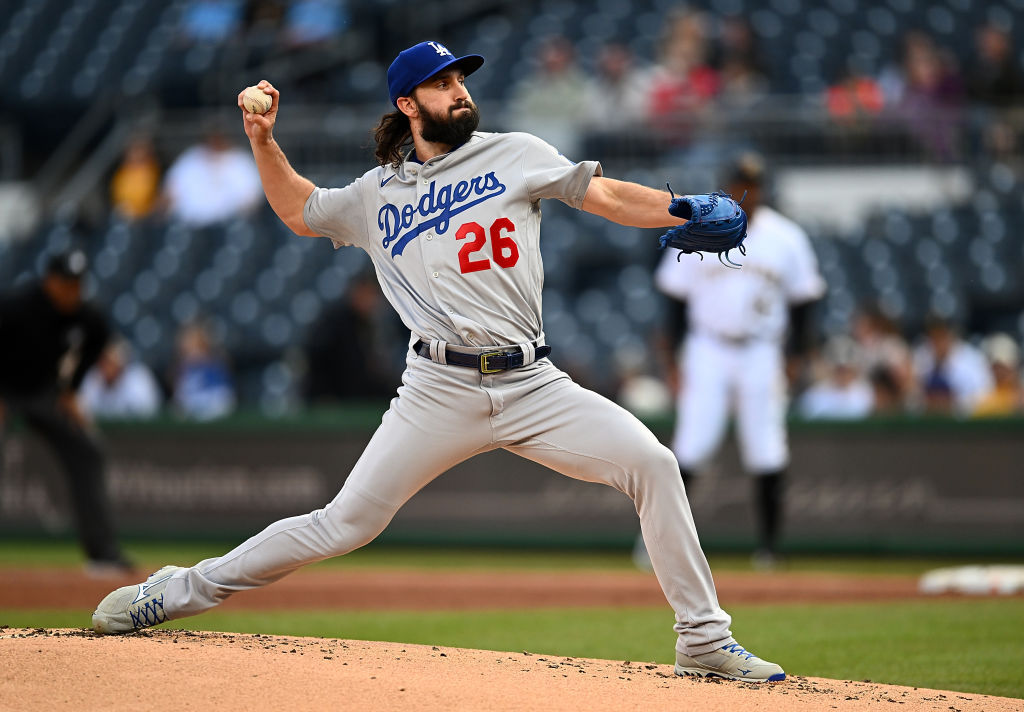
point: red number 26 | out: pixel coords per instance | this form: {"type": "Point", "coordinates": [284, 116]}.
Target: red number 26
{"type": "Point", "coordinates": [504, 249]}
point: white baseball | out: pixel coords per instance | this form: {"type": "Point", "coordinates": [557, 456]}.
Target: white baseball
{"type": "Point", "coordinates": [256, 101]}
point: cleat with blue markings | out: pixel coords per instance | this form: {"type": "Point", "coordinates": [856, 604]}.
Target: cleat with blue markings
{"type": "Point", "coordinates": [731, 662]}
{"type": "Point", "coordinates": [134, 607]}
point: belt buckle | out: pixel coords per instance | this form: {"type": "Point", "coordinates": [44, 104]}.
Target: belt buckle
{"type": "Point", "coordinates": [485, 366]}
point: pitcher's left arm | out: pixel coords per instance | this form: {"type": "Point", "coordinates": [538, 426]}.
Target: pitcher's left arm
{"type": "Point", "coordinates": [629, 204]}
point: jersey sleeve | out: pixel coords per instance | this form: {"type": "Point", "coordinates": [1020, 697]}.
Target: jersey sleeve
{"type": "Point", "coordinates": [804, 282]}
{"type": "Point", "coordinates": [549, 174]}
{"type": "Point", "coordinates": [338, 213]}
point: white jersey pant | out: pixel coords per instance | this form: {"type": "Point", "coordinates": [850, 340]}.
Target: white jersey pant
{"type": "Point", "coordinates": [446, 414]}
{"type": "Point", "coordinates": [722, 378]}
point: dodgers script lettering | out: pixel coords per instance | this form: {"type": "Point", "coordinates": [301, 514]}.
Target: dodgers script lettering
{"type": "Point", "coordinates": [435, 209]}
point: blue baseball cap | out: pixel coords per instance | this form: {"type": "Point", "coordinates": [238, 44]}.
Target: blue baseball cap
{"type": "Point", "coordinates": [420, 62]}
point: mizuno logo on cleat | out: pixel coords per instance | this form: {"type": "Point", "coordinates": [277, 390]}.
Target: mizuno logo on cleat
{"type": "Point", "coordinates": [144, 587]}
{"type": "Point", "coordinates": [745, 672]}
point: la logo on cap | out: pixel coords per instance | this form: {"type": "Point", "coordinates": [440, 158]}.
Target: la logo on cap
{"type": "Point", "coordinates": [440, 49]}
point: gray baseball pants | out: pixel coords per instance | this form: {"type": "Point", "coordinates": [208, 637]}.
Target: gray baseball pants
{"type": "Point", "coordinates": [446, 414]}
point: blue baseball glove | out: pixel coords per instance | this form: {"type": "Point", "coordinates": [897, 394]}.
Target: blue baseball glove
{"type": "Point", "coordinates": [715, 223]}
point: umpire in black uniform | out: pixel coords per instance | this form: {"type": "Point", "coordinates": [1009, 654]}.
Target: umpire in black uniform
{"type": "Point", "coordinates": [49, 339]}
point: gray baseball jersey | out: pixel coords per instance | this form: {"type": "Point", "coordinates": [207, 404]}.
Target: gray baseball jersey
{"type": "Point", "coordinates": [445, 247]}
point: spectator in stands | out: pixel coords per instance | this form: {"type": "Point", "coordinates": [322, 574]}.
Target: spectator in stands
{"type": "Point", "coordinates": [737, 43]}
{"type": "Point", "coordinates": [119, 386]}
{"type": "Point", "coordinates": [212, 182]}
{"type": "Point", "coordinates": [616, 94]}
{"type": "Point", "coordinates": [550, 102]}
{"type": "Point", "coordinates": [886, 358]}
{"type": "Point", "coordinates": [995, 85]}
{"type": "Point", "coordinates": [263, 22]}
{"type": "Point", "coordinates": [843, 393]}
{"type": "Point", "coordinates": [854, 104]}
{"type": "Point", "coordinates": [995, 78]}
{"type": "Point", "coordinates": [683, 83]}
{"type": "Point", "coordinates": [350, 349]}
{"type": "Point", "coordinates": [201, 379]}
{"type": "Point", "coordinates": [739, 63]}
{"type": "Point", "coordinates": [927, 95]}
{"type": "Point", "coordinates": [954, 375]}
{"type": "Point", "coordinates": [615, 106]}
{"type": "Point", "coordinates": [135, 185]}
{"type": "Point", "coordinates": [854, 99]}
{"type": "Point", "coordinates": [1007, 394]}
{"type": "Point", "coordinates": [886, 393]}
{"type": "Point", "coordinates": [50, 338]}
{"type": "Point", "coordinates": [999, 140]}
{"type": "Point", "coordinates": [210, 21]}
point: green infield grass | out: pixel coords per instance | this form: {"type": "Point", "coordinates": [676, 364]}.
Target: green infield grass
{"type": "Point", "coordinates": [963, 645]}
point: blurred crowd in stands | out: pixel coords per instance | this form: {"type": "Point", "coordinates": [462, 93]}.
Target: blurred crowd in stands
{"type": "Point", "coordinates": [349, 354]}
{"type": "Point", "coordinates": [198, 386]}
{"type": "Point", "coordinates": [707, 65]}
{"type": "Point", "coordinates": [876, 371]}
{"type": "Point", "coordinates": [703, 65]}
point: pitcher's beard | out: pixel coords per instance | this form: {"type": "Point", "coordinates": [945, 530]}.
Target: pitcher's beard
{"type": "Point", "coordinates": [449, 129]}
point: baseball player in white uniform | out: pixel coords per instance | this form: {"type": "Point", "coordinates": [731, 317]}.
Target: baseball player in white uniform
{"type": "Point", "coordinates": [734, 357]}
{"type": "Point", "coordinates": [452, 227]}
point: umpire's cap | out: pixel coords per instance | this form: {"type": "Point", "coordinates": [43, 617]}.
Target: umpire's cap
{"type": "Point", "coordinates": [420, 62]}
{"type": "Point", "coordinates": [71, 264]}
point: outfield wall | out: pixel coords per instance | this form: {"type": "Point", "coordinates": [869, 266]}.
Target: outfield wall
{"type": "Point", "coordinates": [881, 485]}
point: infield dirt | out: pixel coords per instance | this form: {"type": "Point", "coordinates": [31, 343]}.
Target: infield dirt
{"type": "Point", "coordinates": [177, 670]}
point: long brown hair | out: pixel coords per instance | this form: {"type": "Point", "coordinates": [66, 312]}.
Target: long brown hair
{"type": "Point", "coordinates": [393, 133]}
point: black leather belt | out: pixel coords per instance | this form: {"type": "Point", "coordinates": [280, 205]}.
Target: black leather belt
{"type": "Point", "coordinates": [738, 340]}
{"type": "Point", "coordinates": [488, 362]}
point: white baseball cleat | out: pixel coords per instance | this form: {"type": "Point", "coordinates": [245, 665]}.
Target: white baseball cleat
{"type": "Point", "coordinates": [133, 607]}
{"type": "Point", "coordinates": [730, 661]}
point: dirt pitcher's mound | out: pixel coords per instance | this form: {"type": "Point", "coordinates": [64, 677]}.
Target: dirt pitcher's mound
{"type": "Point", "coordinates": [183, 670]}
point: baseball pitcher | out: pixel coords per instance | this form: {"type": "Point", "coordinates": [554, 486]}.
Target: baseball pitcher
{"type": "Point", "coordinates": [451, 221]}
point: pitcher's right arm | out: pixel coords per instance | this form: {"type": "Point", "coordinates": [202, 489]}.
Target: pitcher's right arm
{"type": "Point", "coordinates": [286, 190]}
